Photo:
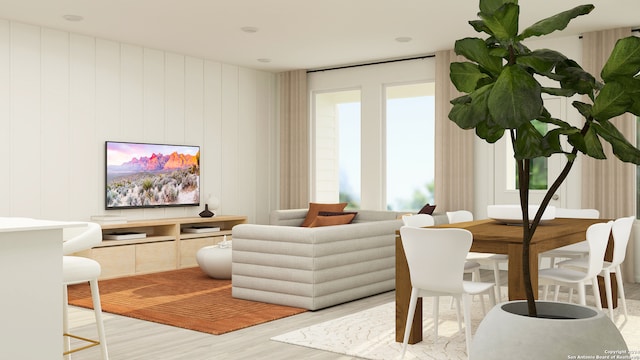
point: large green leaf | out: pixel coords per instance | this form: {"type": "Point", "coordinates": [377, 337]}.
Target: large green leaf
{"type": "Point", "coordinates": [503, 23]}
{"type": "Point", "coordinates": [611, 102]}
{"type": "Point", "coordinates": [528, 143]}
{"type": "Point", "coordinates": [622, 148]}
{"type": "Point", "coordinates": [558, 92]}
{"type": "Point", "coordinates": [515, 98]}
{"type": "Point", "coordinates": [468, 114]}
{"type": "Point", "coordinates": [551, 141]}
{"type": "Point", "coordinates": [465, 76]}
{"type": "Point", "coordinates": [572, 77]}
{"type": "Point", "coordinates": [592, 144]}
{"type": "Point", "coordinates": [545, 117]}
{"type": "Point", "coordinates": [491, 133]}
{"type": "Point", "coordinates": [556, 22]}
{"type": "Point", "coordinates": [490, 6]}
{"type": "Point", "coordinates": [541, 61]}
{"type": "Point", "coordinates": [585, 109]}
{"type": "Point", "coordinates": [475, 50]}
{"type": "Point", "coordinates": [624, 59]}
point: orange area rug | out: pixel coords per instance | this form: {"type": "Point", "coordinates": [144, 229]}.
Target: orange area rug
{"type": "Point", "coordinates": [185, 298]}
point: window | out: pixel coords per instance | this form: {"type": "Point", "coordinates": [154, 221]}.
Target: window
{"type": "Point", "coordinates": [352, 109]}
{"type": "Point", "coordinates": [410, 113]}
{"type": "Point", "coordinates": [337, 147]}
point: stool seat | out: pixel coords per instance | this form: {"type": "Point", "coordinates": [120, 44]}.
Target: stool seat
{"type": "Point", "coordinates": [78, 269]}
{"type": "Point", "coordinates": [215, 261]}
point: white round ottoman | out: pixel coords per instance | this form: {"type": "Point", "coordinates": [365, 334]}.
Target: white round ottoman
{"type": "Point", "coordinates": [215, 261]}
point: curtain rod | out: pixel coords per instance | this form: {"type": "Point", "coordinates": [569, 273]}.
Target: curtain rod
{"type": "Point", "coordinates": [396, 60]}
{"type": "Point", "coordinates": [371, 63]}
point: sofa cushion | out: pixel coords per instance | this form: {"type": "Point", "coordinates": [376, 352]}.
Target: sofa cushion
{"type": "Point", "coordinates": [334, 219]}
{"type": "Point", "coordinates": [427, 209]}
{"type": "Point", "coordinates": [315, 208]}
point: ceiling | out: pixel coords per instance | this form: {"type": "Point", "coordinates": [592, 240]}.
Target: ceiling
{"type": "Point", "coordinates": [296, 34]}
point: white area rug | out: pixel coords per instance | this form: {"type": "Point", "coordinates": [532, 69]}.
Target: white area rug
{"type": "Point", "coordinates": [370, 334]}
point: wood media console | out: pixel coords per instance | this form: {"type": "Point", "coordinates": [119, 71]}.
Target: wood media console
{"type": "Point", "coordinates": [163, 244]}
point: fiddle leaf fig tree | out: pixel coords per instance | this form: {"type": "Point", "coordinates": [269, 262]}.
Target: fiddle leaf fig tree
{"type": "Point", "coordinates": [503, 94]}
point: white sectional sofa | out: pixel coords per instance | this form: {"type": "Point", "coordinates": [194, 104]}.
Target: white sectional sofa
{"type": "Point", "coordinates": [314, 268]}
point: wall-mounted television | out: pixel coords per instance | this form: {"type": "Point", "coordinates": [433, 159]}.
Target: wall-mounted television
{"type": "Point", "coordinates": [143, 175]}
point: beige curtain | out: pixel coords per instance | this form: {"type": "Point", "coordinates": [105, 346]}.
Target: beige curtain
{"type": "Point", "coordinates": [609, 185]}
{"type": "Point", "coordinates": [294, 140]}
{"type": "Point", "coordinates": [453, 146]}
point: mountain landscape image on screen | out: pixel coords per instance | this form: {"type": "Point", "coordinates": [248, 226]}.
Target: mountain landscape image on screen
{"type": "Point", "coordinates": [154, 179]}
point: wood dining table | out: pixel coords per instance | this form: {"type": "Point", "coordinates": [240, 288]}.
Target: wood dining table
{"type": "Point", "coordinates": [491, 236]}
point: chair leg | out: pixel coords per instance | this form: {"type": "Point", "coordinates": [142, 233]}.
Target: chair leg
{"type": "Point", "coordinates": [596, 292]}
{"type": "Point", "coordinates": [492, 298]}
{"type": "Point", "coordinates": [95, 296]}
{"type": "Point", "coordinates": [570, 294]}
{"type": "Point", "coordinates": [607, 287]}
{"type": "Point", "coordinates": [436, 310]}
{"type": "Point", "coordinates": [476, 275]}
{"type": "Point", "coordinates": [458, 313]}
{"type": "Point", "coordinates": [545, 292]}
{"type": "Point", "coordinates": [496, 277]}
{"type": "Point", "coordinates": [556, 292]}
{"type": "Point", "coordinates": [65, 319]}
{"type": "Point", "coordinates": [466, 303]}
{"type": "Point", "coordinates": [407, 330]}
{"type": "Point", "coordinates": [581, 294]}
{"type": "Point", "coordinates": [621, 292]}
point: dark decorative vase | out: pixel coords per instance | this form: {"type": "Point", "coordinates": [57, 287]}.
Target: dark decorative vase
{"type": "Point", "coordinates": [206, 212]}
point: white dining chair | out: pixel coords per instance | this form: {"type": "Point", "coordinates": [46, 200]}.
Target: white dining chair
{"type": "Point", "coordinates": [422, 220]}
{"type": "Point", "coordinates": [621, 232]}
{"type": "Point", "coordinates": [488, 259]}
{"type": "Point", "coordinates": [418, 220]}
{"type": "Point", "coordinates": [76, 270]}
{"type": "Point", "coordinates": [436, 258]}
{"type": "Point", "coordinates": [597, 239]}
{"type": "Point", "coordinates": [577, 250]}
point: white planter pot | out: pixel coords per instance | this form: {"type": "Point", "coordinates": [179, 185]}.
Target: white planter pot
{"type": "Point", "coordinates": [507, 332]}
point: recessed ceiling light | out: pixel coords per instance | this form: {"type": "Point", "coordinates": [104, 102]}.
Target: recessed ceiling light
{"type": "Point", "coordinates": [249, 29]}
{"type": "Point", "coordinates": [71, 17]}
{"type": "Point", "coordinates": [264, 60]}
{"type": "Point", "coordinates": [403, 39]}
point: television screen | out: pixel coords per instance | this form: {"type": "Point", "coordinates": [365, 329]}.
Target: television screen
{"type": "Point", "coordinates": [140, 175]}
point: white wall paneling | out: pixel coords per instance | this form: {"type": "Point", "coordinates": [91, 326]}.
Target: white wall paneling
{"type": "Point", "coordinates": [153, 95]}
{"type": "Point", "coordinates": [230, 140]}
{"type": "Point", "coordinates": [86, 160]}
{"type": "Point", "coordinates": [211, 152]}
{"type": "Point", "coordinates": [5, 114]}
{"type": "Point", "coordinates": [25, 125]}
{"type": "Point", "coordinates": [55, 120]}
{"type": "Point", "coordinates": [266, 140]}
{"type": "Point", "coordinates": [68, 93]}
{"type": "Point", "coordinates": [247, 137]}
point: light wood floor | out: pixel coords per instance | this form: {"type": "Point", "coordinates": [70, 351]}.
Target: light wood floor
{"type": "Point", "coordinates": [131, 339]}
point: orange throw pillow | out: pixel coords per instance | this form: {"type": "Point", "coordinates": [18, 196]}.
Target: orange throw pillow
{"type": "Point", "coordinates": [315, 208]}
{"type": "Point", "coordinates": [332, 220]}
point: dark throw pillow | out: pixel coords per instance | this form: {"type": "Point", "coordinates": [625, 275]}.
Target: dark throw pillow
{"type": "Point", "coordinates": [427, 209]}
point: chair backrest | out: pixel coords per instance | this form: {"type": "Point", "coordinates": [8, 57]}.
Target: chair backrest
{"type": "Point", "coordinates": [598, 238]}
{"type": "Point", "coordinates": [577, 213]}
{"type": "Point", "coordinates": [436, 257]}
{"type": "Point", "coordinates": [418, 220]}
{"type": "Point", "coordinates": [459, 216]}
{"type": "Point", "coordinates": [81, 238]}
{"type": "Point", "coordinates": [621, 231]}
